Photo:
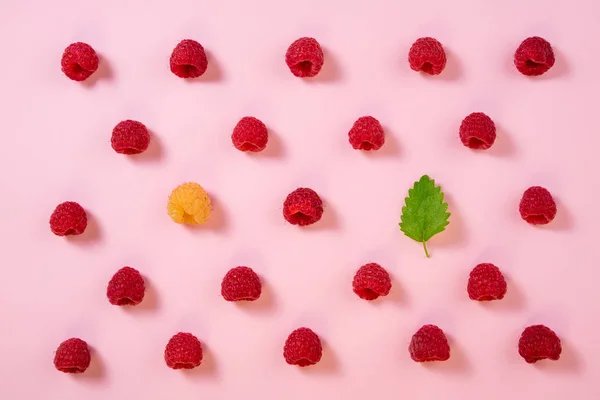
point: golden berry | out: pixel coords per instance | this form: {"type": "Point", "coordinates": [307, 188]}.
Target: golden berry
{"type": "Point", "coordinates": [189, 204]}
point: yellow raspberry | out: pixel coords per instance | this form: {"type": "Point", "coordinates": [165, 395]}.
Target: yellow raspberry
{"type": "Point", "coordinates": [189, 204]}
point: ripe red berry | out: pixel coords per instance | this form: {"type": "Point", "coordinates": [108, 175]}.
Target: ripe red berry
{"type": "Point", "coordinates": [126, 287]}
{"type": "Point", "coordinates": [429, 344]}
{"type": "Point", "coordinates": [486, 283]}
{"type": "Point", "coordinates": [184, 351]}
{"type": "Point", "coordinates": [371, 281]}
{"type": "Point", "coordinates": [477, 131]}
{"type": "Point", "coordinates": [130, 137]}
{"type": "Point", "coordinates": [72, 356]}
{"type": "Point", "coordinates": [427, 55]}
{"type": "Point", "coordinates": [250, 134]}
{"type": "Point", "coordinates": [68, 218]}
{"type": "Point", "coordinates": [366, 134]}
{"type": "Point", "coordinates": [241, 283]}
{"type": "Point", "coordinates": [304, 57]}
{"type": "Point", "coordinates": [539, 342]}
{"type": "Point", "coordinates": [537, 206]}
{"type": "Point", "coordinates": [188, 59]}
{"type": "Point", "coordinates": [534, 56]}
{"type": "Point", "coordinates": [302, 348]}
{"type": "Point", "coordinates": [302, 207]}
{"type": "Point", "coordinates": [79, 61]}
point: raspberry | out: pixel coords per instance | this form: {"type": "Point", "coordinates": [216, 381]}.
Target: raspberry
{"type": "Point", "coordinates": [477, 131]}
{"type": "Point", "coordinates": [184, 351]}
{"type": "Point", "coordinates": [539, 342]}
{"type": "Point", "coordinates": [302, 348]}
{"type": "Point", "coordinates": [427, 55]}
{"type": "Point", "coordinates": [241, 283]}
{"type": "Point", "coordinates": [302, 207]}
{"type": "Point", "coordinates": [486, 283]}
{"type": "Point", "coordinates": [537, 206]}
{"type": "Point", "coordinates": [371, 281]}
{"type": "Point", "coordinates": [68, 218]}
{"type": "Point", "coordinates": [304, 57]}
{"type": "Point", "coordinates": [250, 134]}
{"type": "Point", "coordinates": [366, 134]}
{"type": "Point", "coordinates": [126, 287]}
{"type": "Point", "coordinates": [189, 204]}
{"type": "Point", "coordinates": [72, 356]}
{"type": "Point", "coordinates": [188, 59]}
{"type": "Point", "coordinates": [79, 61]}
{"type": "Point", "coordinates": [429, 344]}
{"type": "Point", "coordinates": [130, 137]}
{"type": "Point", "coordinates": [534, 56]}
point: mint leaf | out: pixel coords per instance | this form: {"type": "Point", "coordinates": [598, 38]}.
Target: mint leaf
{"type": "Point", "coordinates": [424, 213]}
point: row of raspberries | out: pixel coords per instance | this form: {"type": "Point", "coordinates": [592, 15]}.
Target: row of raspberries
{"type": "Point", "coordinates": [303, 348]}
{"type": "Point", "coordinates": [476, 131]}
{"type": "Point", "coordinates": [305, 58]}
{"type": "Point", "coordinates": [189, 203]}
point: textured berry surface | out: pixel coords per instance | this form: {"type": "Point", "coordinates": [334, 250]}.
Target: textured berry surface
{"type": "Point", "coordinates": [539, 342]}
{"type": "Point", "coordinates": [486, 283]}
{"type": "Point", "coordinates": [537, 206]}
{"type": "Point", "coordinates": [371, 281]}
{"type": "Point", "coordinates": [79, 61]}
{"type": "Point", "coordinates": [126, 287]}
{"type": "Point", "coordinates": [184, 351]}
{"type": "Point", "coordinates": [302, 348]}
{"type": "Point", "coordinates": [241, 283]}
{"type": "Point", "coordinates": [304, 57]}
{"type": "Point", "coordinates": [534, 56]}
{"type": "Point", "coordinates": [366, 134]}
{"type": "Point", "coordinates": [189, 204]}
{"type": "Point", "coordinates": [130, 137]}
{"type": "Point", "coordinates": [302, 207]}
{"type": "Point", "coordinates": [477, 131]}
{"type": "Point", "coordinates": [68, 218]}
{"type": "Point", "coordinates": [250, 134]}
{"type": "Point", "coordinates": [188, 59]}
{"type": "Point", "coordinates": [72, 356]}
{"type": "Point", "coordinates": [429, 344]}
{"type": "Point", "coordinates": [427, 55]}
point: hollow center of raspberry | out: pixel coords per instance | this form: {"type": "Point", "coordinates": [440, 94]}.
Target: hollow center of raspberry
{"type": "Point", "coordinates": [533, 64]}
{"type": "Point", "coordinates": [300, 217]}
{"type": "Point", "coordinates": [125, 301]}
{"type": "Point", "coordinates": [246, 146]}
{"type": "Point", "coordinates": [366, 145]}
{"type": "Point", "coordinates": [368, 294]}
{"type": "Point", "coordinates": [183, 365]}
{"type": "Point", "coordinates": [71, 370]}
{"type": "Point", "coordinates": [536, 219]}
{"type": "Point", "coordinates": [476, 143]}
{"type": "Point", "coordinates": [427, 67]}
{"type": "Point", "coordinates": [304, 67]}
{"type": "Point", "coordinates": [70, 231]}
{"type": "Point", "coordinates": [487, 298]}
{"type": "Point", "coordinates": [303, 362]}
{"type": "Point", "coordinates": [187, 70]}
{"type": "Point", "coordinates": [129, 150]}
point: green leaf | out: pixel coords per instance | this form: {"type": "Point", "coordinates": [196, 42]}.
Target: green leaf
{"type": "Point", "coordinates": [424, 214]}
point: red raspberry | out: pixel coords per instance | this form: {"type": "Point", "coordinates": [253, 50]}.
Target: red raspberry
{"type": "Point", "coordinates": [534, 56]}
{"type": "Point", "coordinates": [184, 351]}
{"type": "Point", "coordinates": [68, 218]}
{"type": "Point", "coordinates": [302, 348]}
{"type": "Point", "coordinates": [427, 55]}
{"type": "Point", "coordinates": [241, 283]}
{"type": "Point", "coordinates": [302, 207]}
{"type": "Point", "coordinates": [429, 344]}
{"type": "Point", "coordinates": [188, 59]}
{"type": "Point", "coordinates": [250, 134]}
{"type": "Point", "coordinates": [371, 281]}
{"type": "Point", "coordinates": [477, 131]}
{"type": "Point", "coordinates": [304, 57]}
{"type": "Point", "coordinates": [539, 342]}
{"type": "Point", "coordinates": [366, 134]}
{"type": "Point", "coordinates": [72, 356]}
{"type": "Point", "coordinates": [537, 206]}
{"type": "Point", "coordinates": [79, 61]}
{"type": "Point", "coordinates": [130, 137]}
{"type": "Point", "coordinates": [126, 287]}
{"type": "Point", "coordinates": [486, 283]}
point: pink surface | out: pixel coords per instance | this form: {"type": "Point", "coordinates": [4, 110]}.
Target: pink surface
{"type": "Point", "coordinates": [56, 147]}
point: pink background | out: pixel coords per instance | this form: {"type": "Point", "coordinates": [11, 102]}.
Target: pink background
{"type": "Point", "coordinates": [55, 147]}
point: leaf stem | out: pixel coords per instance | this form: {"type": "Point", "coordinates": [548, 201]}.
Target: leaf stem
{"type": "Point", "coordinates": [425, 248]}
